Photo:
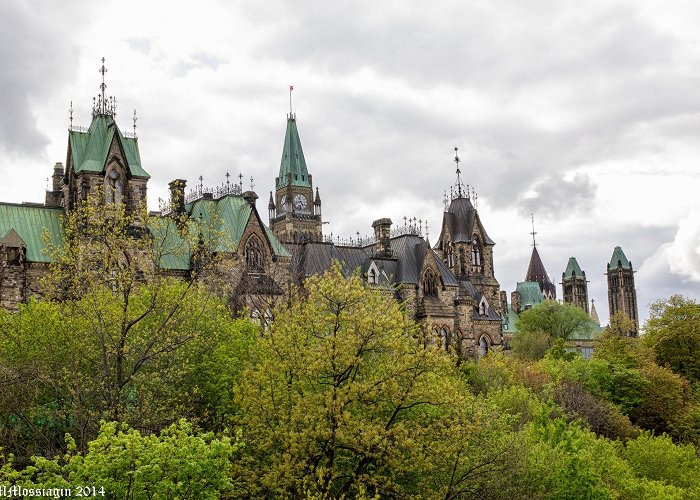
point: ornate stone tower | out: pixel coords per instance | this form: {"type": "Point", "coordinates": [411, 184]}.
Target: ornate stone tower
{"type": "Point", "coordinates": [295, 215]}
{"type": "Point", "coordinates": [575, 286]}
{"type": "Point", "coordinates": [622, 295]}
{"type": "Point", "coordinates": [464, 245]}
{"type": "Point", "coordinates": [100, 156]}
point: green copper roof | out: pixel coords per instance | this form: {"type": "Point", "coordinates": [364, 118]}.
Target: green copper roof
{"type": "Point", "coordinates": [30, 222]}
{"type": "Point", "coordinates": [90, 149]}
{"type": "Point", "coordinates": [572, 268]}
{"type": "Point", "coordinates": [293, 161]}
{"type": "Point", "coordinates": [230, 214]}
{"type": "Point", "coordinates": [618, 259]}
{"type": "Point", "coordinates": [530, 293]}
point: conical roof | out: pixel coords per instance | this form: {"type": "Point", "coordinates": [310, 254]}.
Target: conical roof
{"type": "Point", "coordinates": [293, 161]}
{"type": "Point", "coordinates": [573, 269]}
{"type": "Point", "coordinates": [594, 313]}
{"type": "Point", "coordinates": [619, 259]}
{"type": "Point", "coordinates": [537, 272]}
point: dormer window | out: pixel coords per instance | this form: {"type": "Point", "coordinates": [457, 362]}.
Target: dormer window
{"type": "Point", "coordinates": [372, 277]}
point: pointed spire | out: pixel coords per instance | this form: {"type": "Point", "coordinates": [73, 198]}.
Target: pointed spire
{"type": "Point", "coordinates": [594, 313]}
{"type": "Point", "coordinates": [537, 272]}
{"type": "Point", "coordinates": [293, 165]}
{"type": "Point", "coordinates": [533, 233]}
{"type": "Point", "coordinates": [271, 204]}
{"type": "Point", "coordinates": [317, 200]}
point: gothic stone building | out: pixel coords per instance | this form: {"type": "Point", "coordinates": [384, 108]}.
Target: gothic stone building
{"type": "Point", "coordinates": [449, 286]}
{"type": "Point", "coordinates": [103, 159]}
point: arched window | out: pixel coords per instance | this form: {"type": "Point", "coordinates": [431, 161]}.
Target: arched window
{"type": "Point", "coordinates": [254, 255]}
{"type": "Point", "coordinates": [372, 276]}
{"type": "Point", "coordinates": [483, 346]}
{"type": "Point", "coordinates": [429, 283]}
{"type": "Point", "coordinates": [476, 252]}
{"type": "Point", "coordinates": [113, 187]}
{"type": "Point", "coordinates": [449, 254]}
{"type": "Point", "coordinates": [444, 338]}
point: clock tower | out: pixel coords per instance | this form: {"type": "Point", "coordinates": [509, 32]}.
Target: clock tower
{"type": "Point", "coordinates": [295, 210]}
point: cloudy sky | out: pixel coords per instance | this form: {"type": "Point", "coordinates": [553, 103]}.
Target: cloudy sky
{"type": "Point", "coordinates": [586, 114]}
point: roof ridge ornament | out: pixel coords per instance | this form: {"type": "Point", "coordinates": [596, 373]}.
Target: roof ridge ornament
{"type": "Point", "coordinates": [459, 172]}
{"type": "Point", "coordinates": [102, 105]}
{"type": "Point", "coordinates": [533, 233]}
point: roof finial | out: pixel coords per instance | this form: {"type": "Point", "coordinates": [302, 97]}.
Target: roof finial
{"type": "Point", "coordinates": [533, 233]}
{"type": "Point", "coordinates": [291, 87]}
{"type": "Point", "coordinates": [228, 183]}
{"type": "Point", "coordinates": [251, 183]}
{"type": "Point", "coordinates": [70, 110]}
{"type": "Point", "coordinates": [135, 123]}
{"type": "Point", "coordinates": [240, 180]}
{"type": "Point", "coordinates": [459, 179]}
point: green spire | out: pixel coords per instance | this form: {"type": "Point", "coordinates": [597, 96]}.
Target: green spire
{"type": "Point", "coordinates": [572, 268]}
{"type": "Point", "coordinates": [293, 161]}
{"type": "Point", "coordinates": [619, 259]}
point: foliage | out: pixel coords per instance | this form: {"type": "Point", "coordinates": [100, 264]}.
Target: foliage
{"type": "Point", "coordinates": [531, 345]}
{"type": "Point", "coordinates": [673, 333]}
{"type": "Point", "coordinates": [346, 396]}
{"type": "Point", "coordinates": [558, 321]}
{"type": "Point", "coordinates": [122, 463]}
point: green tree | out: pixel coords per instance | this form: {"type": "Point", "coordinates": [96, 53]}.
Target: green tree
{"type": "Point", "coordinates": [346, 396]}
{"type": "Point", "coordinates": [122, 463]}
{"type": "Point", "coordinates": [531, 345]}
{"type": "Point", "coordinates": [558, 321]}
{"type": "Point", "coordinates": [673, 333]}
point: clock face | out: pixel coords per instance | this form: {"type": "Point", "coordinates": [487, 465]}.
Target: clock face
{"type": "Point", "coordinates": [300, 202]}
{"type": "Point", "coordinates": [283, 203]}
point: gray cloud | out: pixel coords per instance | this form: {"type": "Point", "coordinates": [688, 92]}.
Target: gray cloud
{"type": "Point", "coordinates": [555, 196]}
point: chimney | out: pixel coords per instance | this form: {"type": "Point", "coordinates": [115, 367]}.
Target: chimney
{"type": "Point", "coordinates": [515, 301]}
{"type": "Point", "coordinates": [382, 237]}
{"type": "Point", "coordinates": [57, 176]}
{"type": "Point", "coordinates": [177, 196]}
{"type": "Point", "coordinates": [504, 302]}
{"type": "Point", "coordinates": [250, 197]}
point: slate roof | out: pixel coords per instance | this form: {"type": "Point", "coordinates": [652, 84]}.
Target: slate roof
{"type": "Point", "coordinates": [469, 288]}
{"type": "Point", "coordinates": [29, 222]}
{"type": "Point", "coordinates": [619, 259]}
{"type": "Point", "coordinates": [89, 149]}
{"type": "Point", "coordinates": [460, 219]}
{"type": "Point", "coordinates": [536, 272]}
{"type": "Point", "coordinates": [293, 158]}
{"type": "Point", "coordinates": [573, 269]}
{"type": "Point", "coordinates": [408, 252]}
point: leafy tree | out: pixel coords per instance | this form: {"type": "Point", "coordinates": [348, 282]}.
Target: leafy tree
{"type": "Point", "coordinates": [531, 345]}
{"type": "Point", "coordinates": [673, 333]}
{"type": "Point", "coordinates": [346, 396]}
{"type": "Point", "coordinates": [122, 463]}
{"type": "Point", "coordinates": [558, 321]}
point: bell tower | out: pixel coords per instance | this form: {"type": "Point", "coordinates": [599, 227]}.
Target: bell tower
{"type": "Point", "coordinates": [295, 214]}
{"type": "Point", "coordinates": [622, 294]}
